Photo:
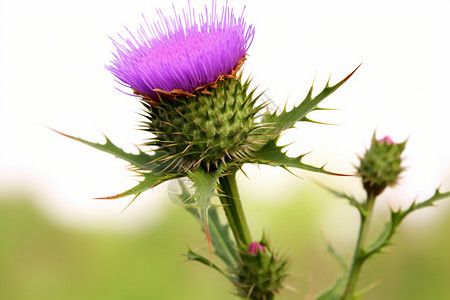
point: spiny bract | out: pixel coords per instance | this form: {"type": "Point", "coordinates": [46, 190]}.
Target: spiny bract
{"type": "Point", "coordinates": [208, 129]}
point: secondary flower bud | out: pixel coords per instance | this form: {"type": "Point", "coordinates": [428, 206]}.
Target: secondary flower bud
{"type": "Point", "coordinates": [380, 166]}
{"type": "Point", "coordinates": [261, 271]}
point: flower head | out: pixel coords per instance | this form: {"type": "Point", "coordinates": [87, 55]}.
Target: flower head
{"type": "Point", "coordinates": [182, 54]}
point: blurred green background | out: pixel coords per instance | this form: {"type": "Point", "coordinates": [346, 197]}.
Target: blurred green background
{"type": "Point", "coordinates": [40, 259]}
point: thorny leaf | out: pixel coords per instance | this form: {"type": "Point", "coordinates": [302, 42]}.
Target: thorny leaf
{"type": "Point", "coordinates": [273, 155]}
{"type": "Point", "coordinates": [205, 187]}
{"type": "Point", "coordinates": [141, 161]}
{"type": "Point", "coordinates": [287, 119]}
{"type": "Point", "coordinates": [397, 217]}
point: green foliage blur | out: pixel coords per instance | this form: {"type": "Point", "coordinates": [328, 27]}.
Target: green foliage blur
{"type": "Point", "coordinates": [42, 260]}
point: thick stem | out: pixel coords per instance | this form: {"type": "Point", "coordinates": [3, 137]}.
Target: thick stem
{"type": "Point", "coordinates": [359, 256]}
{"type": "Point", "coordinates": [233, 209]}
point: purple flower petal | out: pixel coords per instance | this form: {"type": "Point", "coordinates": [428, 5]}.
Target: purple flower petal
{"type": "Point", "coordinates": [183, 52]}
{"type": "Point", "coordinates": [387, 139]}
{"type": "Point", "coordinates": [254, 247]}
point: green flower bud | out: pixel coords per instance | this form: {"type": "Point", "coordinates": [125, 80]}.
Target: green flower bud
{"type": "Point", "coordinates": [261, 273]}
{"type": "Point", "coordinates": [380, 166]}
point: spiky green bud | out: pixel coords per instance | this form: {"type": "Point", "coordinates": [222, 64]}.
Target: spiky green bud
{"type": "Point", "coordinates": [206, 129]}
{"type": "Point", "coordinates": [380, 166]}
{"type": "Point", "coordinates": [261, 273]}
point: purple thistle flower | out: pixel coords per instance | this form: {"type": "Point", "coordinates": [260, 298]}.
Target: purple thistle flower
{"type": "Point", "coordinates": [182, 54]}
{"type": "Point", "coordinates": [254, 247]}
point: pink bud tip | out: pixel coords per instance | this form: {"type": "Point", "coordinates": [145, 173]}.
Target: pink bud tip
{"type": "Point", "coordinates": [254, 247]}
{"type": "Point", "coordinates": [386, 140]}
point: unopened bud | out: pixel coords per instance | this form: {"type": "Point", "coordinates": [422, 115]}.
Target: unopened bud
{"type": "Point", "coordinates": [380, 166]}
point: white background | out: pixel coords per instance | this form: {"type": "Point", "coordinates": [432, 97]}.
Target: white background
{"type": "Point", "coordinates": [52, 58]}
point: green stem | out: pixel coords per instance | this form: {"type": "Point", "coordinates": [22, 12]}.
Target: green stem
{"type": "Point", "coordinates": [359, 256]}
{"type": "Point", "coordinates": [229, 197]}
{"type": "Point", "coordinates": [270, 296]}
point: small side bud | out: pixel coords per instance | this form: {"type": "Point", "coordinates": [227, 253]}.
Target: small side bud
{"type": "Point", "coordinates": [261, 271]}
{"type": "Point", "coordinates": [380, 166]}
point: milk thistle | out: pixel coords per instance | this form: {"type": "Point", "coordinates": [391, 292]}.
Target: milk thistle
{"type": "Point", "coordinates": [205, 122]}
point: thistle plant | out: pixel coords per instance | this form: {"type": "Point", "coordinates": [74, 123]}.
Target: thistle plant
{"type": "Point", "coordinates": [204, 122]}
{"type": "Point", "coordinates": [380, 167]}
